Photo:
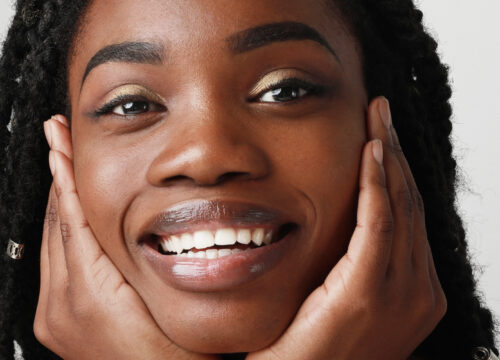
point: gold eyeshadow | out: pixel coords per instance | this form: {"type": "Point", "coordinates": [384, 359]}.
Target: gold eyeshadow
{"type": "Point", "coordinates": [273, 78]}
{"type": "Point", "coordinates": [134, 90]}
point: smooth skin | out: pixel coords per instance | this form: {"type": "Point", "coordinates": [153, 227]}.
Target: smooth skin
{"type": "Point", "coordinates": [209, 139]}
{"type": "Point", "coordinates": [381, 296]}
{"type": "Point", "coordinates": [360, 311]}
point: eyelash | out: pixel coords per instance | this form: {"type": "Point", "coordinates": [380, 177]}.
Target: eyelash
{"type": "Point", "coordinates": [122, 100]}
{"type": "Point", "coordinates": [310, 88]}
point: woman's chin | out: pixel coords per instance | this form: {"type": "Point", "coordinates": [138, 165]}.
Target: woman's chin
{"type": "Point", "coordinates": [226, 330]}
{"type": "Point", "coordinates": [226, 342]}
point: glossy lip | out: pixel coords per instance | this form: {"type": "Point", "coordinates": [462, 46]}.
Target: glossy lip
{"type": "Point", "coordinates": [204, 275]}
{"type": "Point", "coordinates": [211, 214]}
{"type": "Point", "coordinates": [208, 275]}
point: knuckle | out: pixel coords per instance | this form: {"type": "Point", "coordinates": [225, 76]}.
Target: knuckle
{"type": "Point", "coordinates": [83, 224]}
{"type": "Point", "coordinates": [383, 225]}
{"type": "Point", "coordinates": [432, 305]}
{"type": "Point", "coordinates": [40, 331]}
{"type": "Point", "coordinates": [100, 274]}
{"type": "Point", "coordinates": [441, 305]}
{"type": "Point", "coordinates": [418, 200]}
{"type": "Point", "coordinates": [427, 306]}
{"type": "Point", "coordinates": [404, 200]}
{"type": "Point", "coordinates": [395, 148]}
{"type": "Point", "coordinates": [51, 317]}
{"type": "Point", "coordinates": [66, 232]}
{"type": "Point", "coordinates": [379, 182]}
{"type": "Point", "coordinates": [51, 217]}
{"type": "Point", "coordinates": [53, 324]}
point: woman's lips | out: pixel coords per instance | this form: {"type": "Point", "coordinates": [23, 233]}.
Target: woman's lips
{"type": "Point", "coordinates": [220, 246]}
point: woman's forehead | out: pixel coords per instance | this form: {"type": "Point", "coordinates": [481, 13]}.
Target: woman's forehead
{"type": "Point", "coordinates": [191, 26]}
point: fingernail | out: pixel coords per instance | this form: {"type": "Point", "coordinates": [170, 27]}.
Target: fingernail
{"type": "Point", "coordinates": [378, 151]}
{"type": "Point", "coordinates": [385, 113]}
{"type": "Point", "coordinates": [48, 132]}
{"type": "Point", "coordinates": [52, 162]}
{"type": "Point", "coordinates": [60, 119]}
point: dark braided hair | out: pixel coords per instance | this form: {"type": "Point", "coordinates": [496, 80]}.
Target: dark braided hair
{"type": "Point", "coordinates": [32, 88]}
{"type": "Point", "coordinates": [400, 62]}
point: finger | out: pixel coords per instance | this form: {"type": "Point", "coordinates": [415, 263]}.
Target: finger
{"type": "Point", "coordinates": [40, 328]}
{"type": "Point", "coordinates": [44, 251]}
{"type": "Point", "coordinates": [370, 246]}
{"type": "Point", "coordinates": [58, 135]}
{"type": "Point", "coordinates": [80, 246]}
{"type": "Point", "coordinates": [54, 133]}
{"type": "Point", "coordinates": [57, 261]}
{"type": "Point", "coordinates": [439, 295]}
{"type": "Point", "coordinates": [379, 125]}
{"type": "Point", "coordinates": [420, 242]}
{"type": "Point", "coordinates": [49, 294]}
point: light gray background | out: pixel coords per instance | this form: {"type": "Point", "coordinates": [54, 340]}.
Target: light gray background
{"type": "Point", "coordinates": [469, 36]}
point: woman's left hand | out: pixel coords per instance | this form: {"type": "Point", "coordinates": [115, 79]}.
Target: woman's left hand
{"type": "Point", "coordinates": [86, 308]}
{"type": "Point", "coordinates": [383, 298]}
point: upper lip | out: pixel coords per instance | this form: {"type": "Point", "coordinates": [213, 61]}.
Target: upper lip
{"type": "Point", "coordinates": [200, 214]}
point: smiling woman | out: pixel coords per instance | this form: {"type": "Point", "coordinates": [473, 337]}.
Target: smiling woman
{"type": "Point", "coordinates": [227, 179]}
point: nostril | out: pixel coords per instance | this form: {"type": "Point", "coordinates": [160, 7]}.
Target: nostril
{"type": "Point", "coordinates": [176, 180]}
{"type": "Point", "coordinates": [231, 176]}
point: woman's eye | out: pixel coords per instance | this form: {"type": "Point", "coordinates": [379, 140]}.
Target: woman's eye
{"type": "Point", "coordinates": [129, 107]}
{"type": "Point", "coordinates": [285, 93]}
{"type": "Point", "coordinates": [288, 90]}
{"type": "Point", "coordinates": [132, 108]}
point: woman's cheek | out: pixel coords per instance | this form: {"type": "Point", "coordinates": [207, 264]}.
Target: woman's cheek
{"type": "Point", "coordinates": [107, 182]}
{"type": "Point", "coordinates": [327, 171]}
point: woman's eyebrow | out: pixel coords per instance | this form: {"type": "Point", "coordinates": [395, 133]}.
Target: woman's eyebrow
{"type": "Point", "coordinates": [243, 41]}
{"type": "Point", "coordinates": [131, 52]}
{"type": "Point", "coordinates": [262, 35]}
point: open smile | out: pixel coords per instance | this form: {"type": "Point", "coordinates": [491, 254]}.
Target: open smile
{"type": "Point", "coordinates": [237, 244]}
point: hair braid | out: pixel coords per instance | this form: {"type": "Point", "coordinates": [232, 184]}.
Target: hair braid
{"type": "Point", "coordinates": [15, 49]}
{"type": "Point", "coordinates": [401, 62]}
{"type": "Point", "coordinates": [32, 88]}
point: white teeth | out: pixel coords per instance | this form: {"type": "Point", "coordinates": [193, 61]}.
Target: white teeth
{"type": "Point", "coordinates": [258, 236]}
{"type": "Point", "coordinates": [187, 241]}
{"type": "Point", "coordinates": [200, 255]}
{"type": "Point", "coordinates": [203, 239]}
{"type": "Point", "coordinates": [268, 238]}
{"type": "Point", "coordinates": [212, 254]}
{"type": "Point", "coordinates": [224, 252]}
{"type": "Point", "coordinates": [165, 245]}
{"type": "Point", "coordinates": [176, 244]}
{"type": "Point", "coordinates": [225, 237]}
{"type": "Point", "coordinates": [244, 236]}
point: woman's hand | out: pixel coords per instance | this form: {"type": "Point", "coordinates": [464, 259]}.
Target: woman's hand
{"type": "Point", "coordinates": [383, 298]}
{"type": "Point", "coordinates": [86, 309]}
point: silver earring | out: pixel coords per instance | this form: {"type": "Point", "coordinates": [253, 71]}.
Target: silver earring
{"type": "Point", "coordinates": [15, 250]}
{"type": "Point", "coordinates": [482, 353]}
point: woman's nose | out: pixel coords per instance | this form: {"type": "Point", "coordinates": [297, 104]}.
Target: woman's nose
{"type": "Point", "coordinates": [208, 151]}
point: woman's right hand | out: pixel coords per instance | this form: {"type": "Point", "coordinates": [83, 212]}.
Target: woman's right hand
{"type": "Point", "coordinates": [86, 309]}
{"type": "Point", "coordinates": [383, 297]}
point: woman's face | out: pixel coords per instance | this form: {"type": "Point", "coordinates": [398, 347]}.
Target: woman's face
{"type": "Point", "coordinates": [223, 118]}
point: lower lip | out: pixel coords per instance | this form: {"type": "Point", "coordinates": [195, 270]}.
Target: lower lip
{"type": "Point", "coordinates": [203, 275]}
